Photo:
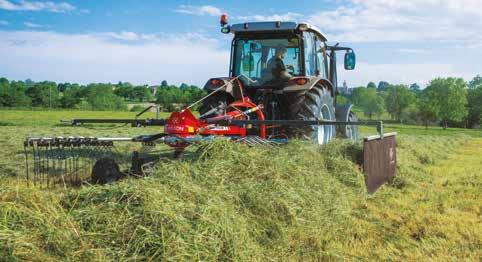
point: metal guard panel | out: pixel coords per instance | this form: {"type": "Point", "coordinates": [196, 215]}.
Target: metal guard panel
{"type": "Point", "coordinates": [379, 161]}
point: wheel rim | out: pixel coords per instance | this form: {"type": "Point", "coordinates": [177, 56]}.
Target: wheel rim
{"type": "Point", "coordinates": [323, 133]}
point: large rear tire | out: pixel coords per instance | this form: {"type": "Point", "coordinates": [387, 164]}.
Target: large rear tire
{"type": "Point", "coordinates": [315, 104]}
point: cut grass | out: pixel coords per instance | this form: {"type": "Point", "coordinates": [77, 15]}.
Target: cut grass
{"type": "Point", "coordinates": [233, 202]}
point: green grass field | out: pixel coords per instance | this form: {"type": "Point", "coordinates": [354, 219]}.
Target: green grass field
{"type": "Point", "coordinates": [232, 202]}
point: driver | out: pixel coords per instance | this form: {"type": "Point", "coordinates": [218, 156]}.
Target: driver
{"type": "Point", "coordinates": [277, 66]}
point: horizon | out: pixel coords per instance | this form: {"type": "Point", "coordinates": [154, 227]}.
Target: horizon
{"type": "Point", "coordinates": [180, 42]}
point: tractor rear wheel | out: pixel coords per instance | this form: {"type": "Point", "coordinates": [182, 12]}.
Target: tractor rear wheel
{"type": "Point", "coordinates": [315, 104]}
{"type": "Point", "coordinates": [215, 104]}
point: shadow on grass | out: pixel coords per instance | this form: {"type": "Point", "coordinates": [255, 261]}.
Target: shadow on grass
{"type": "Point", "coordinates": [6, 124]}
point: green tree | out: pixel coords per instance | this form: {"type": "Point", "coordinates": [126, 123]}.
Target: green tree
{"type": "Point", "coordinates": [371, 85]}
{"type": "Point", "coordinates": [415, 88]}
{"type": "Point", "coordinates": [44, 94]}
{"type": "Point", "coordinates": [356, 95]}
{"type": "Point", "coordinates": [371, 103]}
{"type": "Point", "coordinates": [142, 93]}
{"type": "Point", "coordinates": [5, 99]}
{"type": "Point", "coordinates": [102, 97]}
{"type": "Point", "coordinates": [397, 99]}
{"type": "Point", "coordinates": [164, 83]}
{"type": "Point", "coordinates": [29, 83]}
{"type": "Point", "coordinates": [383, 86]}
{"type": "Point", "coordinates": [448, 96]}
{"type": "Point", "coordinates": [476, 82]}
{"type": "Point", "coordinates": [341, 99]}
{"type": "Point", "coordinates": [71, 97]}
{"type": "Point", "coordinates": [428, 109]}
{"type": "Point", "coordinates": [18, 96]}
{"type": "Point", "coordinates": [474, 99]}
{"type": "Point", "coordinates": [124, 90]}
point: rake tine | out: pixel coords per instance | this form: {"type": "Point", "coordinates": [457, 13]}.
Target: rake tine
{"type": "Point", "coordinates": [26, 162]}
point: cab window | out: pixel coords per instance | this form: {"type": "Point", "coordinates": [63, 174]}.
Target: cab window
{"type": "Point", "coordinates": [320, 60]}
{"type": "Point", "coordinates": [253, 58]}
{"type": "Point", "coordinates": [309, 49]}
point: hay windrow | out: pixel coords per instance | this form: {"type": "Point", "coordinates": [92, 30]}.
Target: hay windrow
{"type": "Point", "coordinates": [229, 201]}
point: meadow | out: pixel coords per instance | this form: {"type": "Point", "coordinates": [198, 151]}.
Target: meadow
{"type": "Point", "coordinates": [232, 202]}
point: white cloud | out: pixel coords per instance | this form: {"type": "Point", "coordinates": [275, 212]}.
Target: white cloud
{"type": "Point", "coordinates": [124, 35]}
{"type": "Point", "coordinates": [24, 5]}
{"type": "Point", "coordinates": [448, 21]}
{"type": "Point", "coordinates": [275, 17]}
{"type": "Point", "coordinates": [32, 25]}
{"type": "Point", "coordinates": [199, 10]}
{"type": "Point", "coordinates": [3, 22]}
{"type": "Point", "coordinates": [102, 57]}
{"type": "Point", "coordinates": [408, 73]}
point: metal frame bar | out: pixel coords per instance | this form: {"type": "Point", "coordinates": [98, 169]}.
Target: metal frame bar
{"type": "Point", "coordinates": [378, 124]}
{"type": "Point", "coordinates": [133, 122]}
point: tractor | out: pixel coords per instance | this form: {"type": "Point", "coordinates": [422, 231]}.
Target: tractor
{"type": "Point", "coordinates": [282, 84]}
{"type": "Point", "coordinates": [306, 91]}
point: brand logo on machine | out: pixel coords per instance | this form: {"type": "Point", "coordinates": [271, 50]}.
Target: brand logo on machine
{"type": "Point", "coordinates": [219, 128]}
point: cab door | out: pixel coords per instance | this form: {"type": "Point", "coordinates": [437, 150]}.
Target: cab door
{"type": "Point", "coordinates": [309, 50]}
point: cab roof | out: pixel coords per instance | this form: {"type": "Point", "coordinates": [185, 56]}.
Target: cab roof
{"type": "Point", "coordinates": [276, 26]}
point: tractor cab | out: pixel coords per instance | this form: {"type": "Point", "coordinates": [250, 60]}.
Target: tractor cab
{"type": "Point", "coordinates": [289, 55]}
{"type": "Point", "coordinates": [271, 54]}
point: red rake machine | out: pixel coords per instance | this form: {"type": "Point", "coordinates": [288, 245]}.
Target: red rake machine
{"type": "Point", "coordinates": [282, 85]}
{"type": "Point", "coordinates": [77, 160]}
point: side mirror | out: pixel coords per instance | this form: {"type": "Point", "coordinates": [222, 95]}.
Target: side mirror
{"type": "Point", "coordinates": [350, 60]}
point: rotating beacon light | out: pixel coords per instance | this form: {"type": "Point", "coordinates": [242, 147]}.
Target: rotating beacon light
{"type": "Point", "coordinates": [223, 20]}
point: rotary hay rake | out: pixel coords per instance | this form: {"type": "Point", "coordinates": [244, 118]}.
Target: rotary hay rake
{"type": "Point", "coordinates": [53, 161]}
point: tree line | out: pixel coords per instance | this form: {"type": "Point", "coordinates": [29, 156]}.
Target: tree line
{"type": "Point", "coordinates": [95, 96]}
{"type": "Point", "coordinates": [445, 101]}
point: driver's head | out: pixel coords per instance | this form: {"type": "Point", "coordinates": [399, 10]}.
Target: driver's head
{"type": "Point", "coordinates": [281, 51]}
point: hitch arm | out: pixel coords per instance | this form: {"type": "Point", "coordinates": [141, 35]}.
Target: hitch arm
{"type": "Point", "coordinates": [133, 122]}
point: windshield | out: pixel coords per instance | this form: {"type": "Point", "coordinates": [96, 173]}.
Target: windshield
{"type": "Point", "coordinates": [266, 61]}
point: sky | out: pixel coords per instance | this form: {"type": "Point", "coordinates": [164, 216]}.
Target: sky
{"type": "Point", "coordinates": [145, 42]}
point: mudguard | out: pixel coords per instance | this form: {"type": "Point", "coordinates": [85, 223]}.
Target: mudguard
{"type": "Point", "coordinates": [230, 88]}
{"type": "Point", "coordinates": [312, 81]}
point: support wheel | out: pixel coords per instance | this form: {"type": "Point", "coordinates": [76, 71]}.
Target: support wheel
{"type": "Point", "coordinates": [105, 171]}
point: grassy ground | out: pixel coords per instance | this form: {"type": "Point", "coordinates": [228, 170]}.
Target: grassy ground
{"type": "Point", "coordinates": [231, 202]}
{"type": "Point", "coordinates": [51, 118]}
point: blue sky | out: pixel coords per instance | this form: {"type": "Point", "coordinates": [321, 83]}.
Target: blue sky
{"type": "Point", "coordinates": [149, 41]}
